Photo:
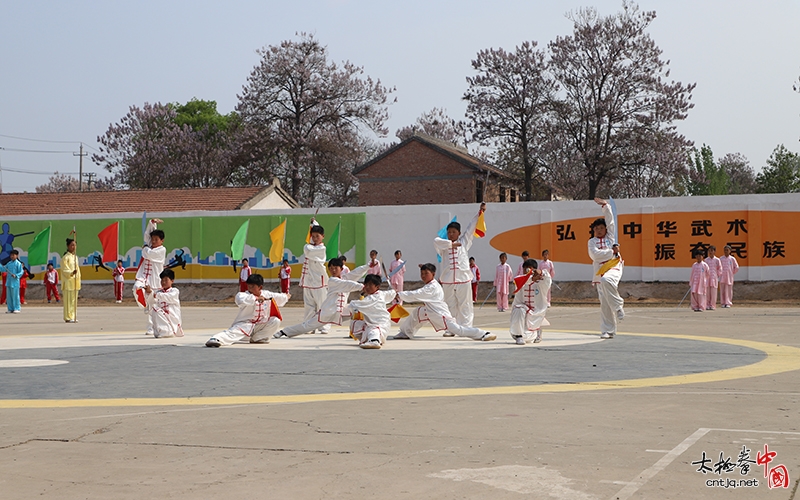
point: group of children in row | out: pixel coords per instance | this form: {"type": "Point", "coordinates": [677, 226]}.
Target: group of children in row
{"type": "Point", "coordinates": [709, 274]}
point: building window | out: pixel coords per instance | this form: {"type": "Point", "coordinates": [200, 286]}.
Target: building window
{"type": "Point", "coordinates": [513, 195]}
{"type": "Point", "coordinates": [479, 190]}
{"type": "Point", "coordinates": [502, 194]}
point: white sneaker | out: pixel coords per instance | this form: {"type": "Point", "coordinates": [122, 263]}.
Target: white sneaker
{"type": "Point", "coordinates": [371, 344]}
{"type": "Point", "coordinates": [607, 335]}
{"type": "Point", "coordinates": [488, 336]}
{"type": "Point", "coordinates": [519, 340]}
{"type": "Point", "coordinates": [538, 337]}
{"type": "Point", "coordinates": [401, 336]}
{"type": "Point", "coordinates": [620, 315]}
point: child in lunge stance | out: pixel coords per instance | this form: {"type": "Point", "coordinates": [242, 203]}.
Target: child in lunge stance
{"type": "Point", "coordinates": [372, 330]}
{"type": "Point", "coordinates": [165, 307]}
{"type": "Point", "coordinates": [502, 277]}
{"type": "Point", "coordinates": [334, 308]}
{"type": "Point", "coordinates": [699, 281]}
{"type": "Point", "coordinates": [434, 310]}
{"type": "Point", "coordinates": [257, 319]}
{"type": "Point", "coordinates": [530, 304]}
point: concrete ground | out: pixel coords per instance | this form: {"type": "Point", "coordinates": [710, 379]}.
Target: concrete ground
{"type": "Point", "coordinates": [98, 410]}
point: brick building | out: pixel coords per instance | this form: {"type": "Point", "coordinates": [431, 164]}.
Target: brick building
{"type": "Point", "coordinates": [423, 170]}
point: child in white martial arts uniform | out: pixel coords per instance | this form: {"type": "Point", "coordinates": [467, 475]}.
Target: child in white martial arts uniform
{"type": "Point", "coordinates": [456, 276]}
{"type": "Point", "coordinates": [154, 254]}
{"type": "Point", "coordinates": [334, 308]}
{"type": "Point", "coordinates": [255, 319]}
{"type": "Point", "coordinates": [729, 268]}
{"type": "Point", "coordinates": [547, 265]}
{"type": "Point", "coordinates": [530, 304]}
{"type": "Point", "coordinates": [314, 278]}
{"type": "Point", "coordinates": [714, 274]}
{"type": "Point", "coordinates": [372, 330]}
{"type": "Point", "coordinates": [165, 307]}
{"type": "Point", "coordinates": [698, 281]}
{"type": "Point", "coordinates": [607, 268]}
{"type": "Point", "coordinates": [434, 310]}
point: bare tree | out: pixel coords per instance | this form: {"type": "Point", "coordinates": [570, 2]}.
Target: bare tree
{"type": "Point", "coordinates": [614, 111]}
{"type": "Point", "coordinates": [64, 183]}
{"type": "Point", "coordinates": [741, 176]}
{"type": "Point", "coordinates": [305, 105]}
{"type": "Point", "coordinates": [437, 123]}
{"type": "Point", "coordinates": [507, 102]}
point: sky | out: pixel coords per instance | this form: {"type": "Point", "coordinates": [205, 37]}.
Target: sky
{"type": "Point", "coordinates": [70, 69]}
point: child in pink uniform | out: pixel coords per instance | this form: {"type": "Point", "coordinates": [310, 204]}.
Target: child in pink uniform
{"type": "Point", "coordinates": [729, 268]}
{"type": "Point", "coordinates": [699, 282]}
{"type": "Point", "coordinates": [714, 274]}
{"type": "Point", "coordinates": [547, 265]}
{"type": "Point", "coordinates": [502, 277]}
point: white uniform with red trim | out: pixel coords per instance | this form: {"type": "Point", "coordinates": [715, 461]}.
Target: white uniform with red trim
{"type": "Point", "coordinates": [455, 275]}
{"type": "Point", "coordinates": [165, 312]}
{"type": "Point", "coordinates": [377, 319]}
{"type": "Point", "coordinates": [600, 252]}
{"type": "Point", "coordinates": [314, 282]}
{"type": "Point", "coordinates": [529, 307]}
{"type": "Point", "coordinates": [334, 310]}
{"type": "Point", "coordinates": [253, 320]}
{"type": "Point", "coordinates": [435, 311]}
{"type": "Point", "coordinates": [150, 268]}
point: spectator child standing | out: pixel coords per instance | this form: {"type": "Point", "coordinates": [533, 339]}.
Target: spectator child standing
{"type": "Point", "coordinates": [476, 278]}
{"type": "Point", "coordinates": [520, 269]}
{"type": "Point", "coordinates": [51, 283]}
{"type": "Point", "coordinates": [729, 268]}
{"type": "Point", "coordinates": [547, 265]}
{"type": "Point", "coordinates": [119, 281]}
{"type": "Point", "coordinates": [285, 275]}
{"type": "Point", "coordinates": [244, 273]}
{"type": "Point", "coordinates": [398, 267]}
{"type": "Point", "coordinates": [699, 281]}
{"type": "Point", "coordinates": [714, 274]}
{"type": "Point", "coordinates": [502, 277]}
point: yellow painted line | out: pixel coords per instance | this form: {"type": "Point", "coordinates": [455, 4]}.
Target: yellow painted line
{"type": "Point", "coordinates": [779, 359]}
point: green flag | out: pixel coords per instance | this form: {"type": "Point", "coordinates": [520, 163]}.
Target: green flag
{"type": "Point", "coordinates": [39, 249]}
{"type": "Point", "coordinates": [237, 245]}
{"type": "Point", "coordinates": [332, 246]}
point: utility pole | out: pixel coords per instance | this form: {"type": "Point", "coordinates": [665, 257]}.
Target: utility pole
{"type": "Point", "coordinates": [89, 179]}
{"type": "Point", "coordinates": [80, 167]}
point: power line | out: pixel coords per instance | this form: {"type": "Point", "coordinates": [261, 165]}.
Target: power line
{"type": "Point", "coordinates": [23, 171]}
{"type": "Point", "coordinates": [33, 150]}
{"type": "Point", "coordinates": [38, 140]}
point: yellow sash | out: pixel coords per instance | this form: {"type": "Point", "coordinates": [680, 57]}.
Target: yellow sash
{"type": "Point", "coordinates": [607, 265]}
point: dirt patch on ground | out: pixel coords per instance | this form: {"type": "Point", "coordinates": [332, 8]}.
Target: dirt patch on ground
{"type": "Point", "coordinates": [779, 293]}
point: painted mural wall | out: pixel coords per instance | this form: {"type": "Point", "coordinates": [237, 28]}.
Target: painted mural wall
{"type": "Point", "coordinates": [657, 236]}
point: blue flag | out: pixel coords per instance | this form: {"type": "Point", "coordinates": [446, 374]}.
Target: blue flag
{"type": "Point", "coordinates": [443, 235]}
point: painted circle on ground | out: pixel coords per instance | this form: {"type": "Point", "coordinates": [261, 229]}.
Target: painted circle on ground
{"type": "Point", "coordinates": [28, 363]}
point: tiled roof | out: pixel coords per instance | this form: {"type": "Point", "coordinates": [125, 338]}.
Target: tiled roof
{"type": "Point", "coordinates": [153, 200]}
{"type": "Point", "coordinates": [457, 153]}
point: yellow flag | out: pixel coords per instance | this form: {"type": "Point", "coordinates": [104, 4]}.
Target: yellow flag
{"type": "Point", "coordinates": [397, 312]}
{"type": "Point", "coordinates": [278, 237]}
{"type": "Point", "coordinates": [480, 227]}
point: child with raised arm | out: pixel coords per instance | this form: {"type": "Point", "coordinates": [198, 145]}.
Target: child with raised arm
{"type": "Point", "coordinates": [165, 307]}
{"type": "Point", "coordinates": [607, 266]}
{"type": "Point", "coordinates": [257, 320]}
{"type": "Point", "coordinates": [547, 265]}
{"type": "Point", "coordinates": [456, 277]}
{"type": "Point", "coordinates": [154, 254]}
{"type": "Point", "coordinates": [530, 304]}
{"type": "Point", "coordinates": [729, 268]}
{"type": "Point", "coordinates": [51, 283]}
{"type": "Point", "coordinates": [714, 274]}
{"type": "Point", "coordinates": [502, 277]}
{"type": "Point", "coordinates": [334, 308]}
{"type": "Point", "coordinates": [699, 281]}
{"type": "Point", "coordinates": [373, 329]}
{"type": "Point", "coordinates": [244, 273]}
{"type": "Point", "coordinates": [119, 281]}
{"type": "Point", "coordinates": [313, 278]}
{"type": "Point", "coordinates": [434, 310]}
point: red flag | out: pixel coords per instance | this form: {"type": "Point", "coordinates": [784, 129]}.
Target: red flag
{"type": "Point", "coordinates": [273, 310]}
{"type": "Point", "coordinates": [109, 238]}
{"type": "Point", "coordinates": [520, 281]}
{"type": "Point", "coordinates": [397, 312]}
